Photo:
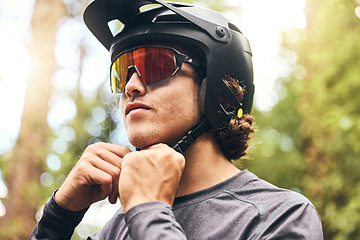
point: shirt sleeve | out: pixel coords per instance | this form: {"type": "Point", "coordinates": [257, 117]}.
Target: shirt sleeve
{"type": "Point", "coordinates": [56, 222]}
{"type": "Point", "coordinates": [153, 221]}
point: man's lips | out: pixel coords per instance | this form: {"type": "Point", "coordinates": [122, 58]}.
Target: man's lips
{"type": "Point", "coordinates": [135, 105]}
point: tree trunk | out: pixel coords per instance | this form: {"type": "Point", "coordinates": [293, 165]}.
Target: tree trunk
{"type": "Point", "coordinates": [25, 165]}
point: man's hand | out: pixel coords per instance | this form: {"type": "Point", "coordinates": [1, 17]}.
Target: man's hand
{"type": "Point", "coordinates": [152, 174]}
{"type": "Point", "coordinates": [94, 177]}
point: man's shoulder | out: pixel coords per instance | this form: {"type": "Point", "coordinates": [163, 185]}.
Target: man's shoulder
{"type": "Point", "coordinates": [259, 190]}
{"type": "Point", "coordinates": [278, 208]}
{"type": "Point", "coordinates": [256, 206]}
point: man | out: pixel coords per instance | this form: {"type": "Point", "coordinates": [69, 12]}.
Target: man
{"type": "Point", "coordinates": [185, 76]}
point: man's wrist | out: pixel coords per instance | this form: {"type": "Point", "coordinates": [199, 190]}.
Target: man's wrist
{"type": "Point", "coordinates": [133, 202]}
{"type": "Point", "coordinates": [58, 204]}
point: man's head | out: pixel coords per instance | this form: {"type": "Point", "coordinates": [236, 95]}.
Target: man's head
{"type": "Point", "coordinates": [162, 110]}
{"type": "Point", "coordinates": [218, 43]}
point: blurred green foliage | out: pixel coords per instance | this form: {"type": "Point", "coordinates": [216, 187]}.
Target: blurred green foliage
{"type": "Point", "coordinates": [318, 118]}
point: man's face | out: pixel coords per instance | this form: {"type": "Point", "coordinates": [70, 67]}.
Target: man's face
{"type": "Point", "coordinates": [162, 112]}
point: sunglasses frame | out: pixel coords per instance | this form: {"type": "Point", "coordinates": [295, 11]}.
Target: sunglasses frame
{"type": "Point", "coordinates": [179, 59]}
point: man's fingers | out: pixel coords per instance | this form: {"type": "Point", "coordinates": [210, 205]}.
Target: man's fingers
{"type": "Point", "coordinates": [113, 172]}
{"type": "Point", "coordinates": [108, 152]}
{"type": "Point", "coordinates": [114, 195]}
{"type": "Point", "coordinates": [103, 180]}
{"type": "Point", "coordinates": [108, 158]}
{"type": "Point", "coordinates": [94, 177]}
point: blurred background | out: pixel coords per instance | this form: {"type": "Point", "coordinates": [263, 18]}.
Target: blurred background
{"type": "Point", "coordinates": [55, 100]}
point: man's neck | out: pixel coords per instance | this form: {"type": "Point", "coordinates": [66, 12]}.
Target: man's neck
{"type": "Point", "coordinates": [205, 166]}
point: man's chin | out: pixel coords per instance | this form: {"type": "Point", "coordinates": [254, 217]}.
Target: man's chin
{"type": "Point", "coordinates": [143, 144]}
{"type": "Point", "coordinates": [142, 141]}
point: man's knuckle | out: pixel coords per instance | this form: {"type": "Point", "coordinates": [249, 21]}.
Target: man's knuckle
{"type": "Point", "coordinates": [82, 167]}
{"type": "Point", "coordinates": [116, 171]}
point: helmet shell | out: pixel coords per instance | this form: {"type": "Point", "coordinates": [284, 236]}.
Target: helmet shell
{"type": "Point", "coordinates": [223, 48]}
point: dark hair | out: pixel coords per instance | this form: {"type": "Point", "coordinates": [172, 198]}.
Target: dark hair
{"type": "Point", "coordinates": [233, 140]}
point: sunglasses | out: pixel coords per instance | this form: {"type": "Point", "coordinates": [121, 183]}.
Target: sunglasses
{"type": "Point", "coordinates": [152, 64]}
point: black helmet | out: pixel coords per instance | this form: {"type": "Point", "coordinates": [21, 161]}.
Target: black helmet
{"type": "Point", "coordinates": [224, 48]}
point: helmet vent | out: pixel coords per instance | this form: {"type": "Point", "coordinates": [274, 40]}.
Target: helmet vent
{"type": "Point", "coordinates": [115, 26]}
{"type": "Point", "coordinates": [148, 6]}
{"type": "Point", "coordinates": [170, 18]}
{"type": "Point", "coordinates": [233, 27]}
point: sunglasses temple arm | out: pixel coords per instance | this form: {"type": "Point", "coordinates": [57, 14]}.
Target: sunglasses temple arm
{"type": "Point", "coordinates": [196, 63]}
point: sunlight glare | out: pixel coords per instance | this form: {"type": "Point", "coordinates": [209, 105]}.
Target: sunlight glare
{"type": "Point", "coordinates": [264, 22]}
{"type": "Point", "coordinates": [96, 70]}
{"type": "Point", "coordinates": [12, 89]}
{"type": "Point", "coordinates": [2, 209]}
{"type": "Point", "coordinates": [53, 162]}
{"type": "Point", "coordinates": [14, 61]}
{"type": "Point", "coordinates": [357, 11]}
{"type": "Point", "coordinates": [62, 111]}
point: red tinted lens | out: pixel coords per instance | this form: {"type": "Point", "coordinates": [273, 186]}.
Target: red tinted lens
{"type": "Point", "coordinates": [153, 63]}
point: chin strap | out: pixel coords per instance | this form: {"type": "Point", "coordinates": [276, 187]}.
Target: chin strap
{"type": "Point", "coordinates": [191, 136]}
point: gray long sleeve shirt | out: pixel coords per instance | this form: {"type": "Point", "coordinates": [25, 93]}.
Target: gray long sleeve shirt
{"type": "Point", "coordinates": [242, 207]}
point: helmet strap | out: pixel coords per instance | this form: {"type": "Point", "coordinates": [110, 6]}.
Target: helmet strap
{"type": "Point", "coordinates": [191, 136]}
